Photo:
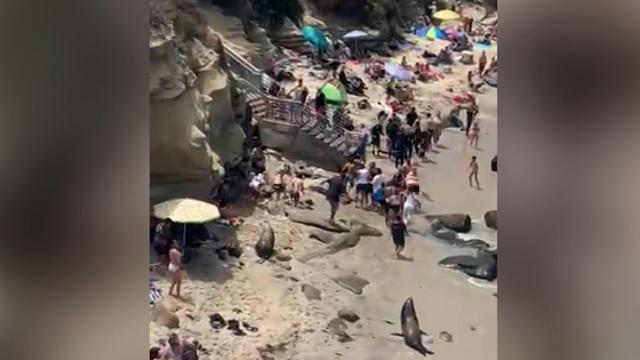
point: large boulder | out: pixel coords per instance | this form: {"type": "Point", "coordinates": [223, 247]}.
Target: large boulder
{"type": "Point", "coordinates": [491, 219]}
{"type": "Point", "coordinates": [161, 315]}
{"type": "Point", "coordinates": [456, 222]}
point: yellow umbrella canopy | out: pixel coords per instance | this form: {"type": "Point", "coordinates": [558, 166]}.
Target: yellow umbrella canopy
{"type": "Point", "coordinates": [446, 15]}
{"type": "Point", "coordinates": [186, 211]}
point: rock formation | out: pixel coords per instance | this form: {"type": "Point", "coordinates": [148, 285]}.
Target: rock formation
{"type": "Point", "coordinates": [193, 130]}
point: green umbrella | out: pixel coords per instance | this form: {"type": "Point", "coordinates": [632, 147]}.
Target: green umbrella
{"type": "Point", "coordinates": [334, 93]}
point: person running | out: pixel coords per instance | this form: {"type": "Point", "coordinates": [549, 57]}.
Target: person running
{"type": "Point", "coordinates": [398, 233]}
{"type": "Point", "coordinates": [376, 134]}
{"type": "Point", "coordinates": [334, 192]}
{"type": "Point", "coordinates": [362, 186]}
{"type": "Point", "coordinates": [410, 207]}
{"type": "Point", "coordinates": [394, 205]}
{"type": "Point", "coordinates": [412, 182]}
{"type": "Point", "coordinates": [473, 172]}
{"type": "Point", "coordinates": [377, 196]}
{"type": "Point", "coordinates": [475, 134]}
{"type": "Point", "coordinates": [175, 265]}
{"type": "Point", "coordinates": [297, 189]}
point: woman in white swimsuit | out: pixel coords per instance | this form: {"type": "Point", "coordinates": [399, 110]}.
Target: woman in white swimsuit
{"type": "Point", "coordinates": [474, 136]}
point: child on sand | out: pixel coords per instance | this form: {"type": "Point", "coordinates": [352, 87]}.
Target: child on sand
{"type": "Point", "coordinates": [398, 234]}
{"type": "Point", "coordinates": [473, 172]}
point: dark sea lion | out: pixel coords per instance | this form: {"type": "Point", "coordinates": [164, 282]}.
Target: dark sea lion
{"type": "Point", "coordinates": [411, 328]}
{"type": "Point", "coordinates": [264, 246]}
{"type": "Point", "coordinates": [483, 266]}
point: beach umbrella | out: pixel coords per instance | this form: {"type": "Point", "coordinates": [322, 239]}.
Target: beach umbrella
{"type": "Point", "coordinates": [398, 72]}
{"type": "Point", "coordinates": [315, 36]}
{"type": "Point", "coordinates": [422, 31]}
{"type": "Point", "coordinates": [355, 35]}
{"type": "Point", "coordinates": [446, 15]}
{"type": "Point", "coordinates": [186, 211]}
{"type": "Point", "coordinates": [334, 93]}
{"type": "Point", "coordinates": [436, 33]}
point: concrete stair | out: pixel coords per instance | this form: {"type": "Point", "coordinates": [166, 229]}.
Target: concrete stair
{"type": "Point", "coordinates": [292, 41]}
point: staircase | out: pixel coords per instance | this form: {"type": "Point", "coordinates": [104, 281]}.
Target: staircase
{"type": "Point", "coordinates": [317, 136]}
{"type": "Point", "coordinates": [292, 41]}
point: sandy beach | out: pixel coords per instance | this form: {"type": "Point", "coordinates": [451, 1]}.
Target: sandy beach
{"type": "Point", "coordinates": [268, 295]}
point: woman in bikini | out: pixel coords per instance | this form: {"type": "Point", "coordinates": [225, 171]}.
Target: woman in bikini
{"type": "Point", "coordinates": [474, 136]}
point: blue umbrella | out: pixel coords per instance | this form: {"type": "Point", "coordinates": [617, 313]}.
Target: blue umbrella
{"type": "Point", "coordinates": [398, 72]}
{"type": "Point", "coordinates": [422, 31]}
{"type": "Point", "coordinates": [315, 36]}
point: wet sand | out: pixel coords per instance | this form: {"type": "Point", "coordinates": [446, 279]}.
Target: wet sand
{"type": "Point", "coordinates": [269, 295]}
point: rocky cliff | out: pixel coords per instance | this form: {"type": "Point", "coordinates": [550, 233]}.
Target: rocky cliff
{"type": "Point", "coordinates": [193, 130]}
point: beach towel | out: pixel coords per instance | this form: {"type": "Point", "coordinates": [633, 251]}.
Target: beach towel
{"type": "Point", "coordinates": [481, 46]}
{"type": "Point", "coordinates": [155, 295]}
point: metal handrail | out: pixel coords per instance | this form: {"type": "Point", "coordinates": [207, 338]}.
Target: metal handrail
{"type": "Point", "coordinates": [301, 113]}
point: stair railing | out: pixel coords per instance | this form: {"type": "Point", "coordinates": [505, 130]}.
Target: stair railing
{"type": "Point", "coordinates": [252, 79]}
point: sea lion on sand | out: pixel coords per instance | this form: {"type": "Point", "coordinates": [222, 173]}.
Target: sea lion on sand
{"type": "Point", "coordinates": [411, 328]}
{"type": "Point", "coordinates": [339, 242]}
{"type": "Point", "coordinates": [264, 246]}
{"type": "Point", "coordinates": [483, 266]}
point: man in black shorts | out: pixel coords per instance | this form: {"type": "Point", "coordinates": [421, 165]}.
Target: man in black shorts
{"type": "Point", "coordinates": [376, 133]}
{"type": "Point", "coordinates": [336, 189]}
{"type": "Point", "coordinates": [398, 233]}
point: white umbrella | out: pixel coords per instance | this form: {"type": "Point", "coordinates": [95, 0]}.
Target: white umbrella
{"type": "Point", "coordinates": [355, 35]}
{"type": "Point", "coordinates": [186, 211]}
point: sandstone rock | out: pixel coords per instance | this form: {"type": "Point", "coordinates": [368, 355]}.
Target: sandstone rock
{"type": "Point", "coordinates": [353, 283]}
{"type": "Point", "coordinates": [491, 219]}
{"type": "Point", "coordinates": [467, 57]}
{"type": "Point", "coordinates": [161, 315]}
{"type": "Point", "coordinates": [311, 292]}
{"type": "Point", "coordinates": [337, 327]}
{"type": "Point", "coordinates": [445, 336]}
{"type": "Point", "coordinates": [348, 315]}
{"type": "Point", "coordinates": [283, 257]}
{"type": "Point", "coordinates": [456, 222]}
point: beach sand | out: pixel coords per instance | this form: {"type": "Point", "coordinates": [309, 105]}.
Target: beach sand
{"type": "Point", "coordinates": [269, 294]}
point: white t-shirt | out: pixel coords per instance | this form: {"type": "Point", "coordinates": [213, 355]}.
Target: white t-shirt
{"type": "Point", "coordinates": [362, 176]}
{"type": "Point", "coordinates": [377, 181]}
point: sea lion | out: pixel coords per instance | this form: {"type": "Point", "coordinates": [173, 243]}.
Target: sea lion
{"type": "Point", "coordinates": [338, 243]}
{"type": "Point", "coordinates": [483, 266]}
{"type": "Point", "coordinates": [411, 328]}
{"type": "Point", "coordinates": [264, 246]}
